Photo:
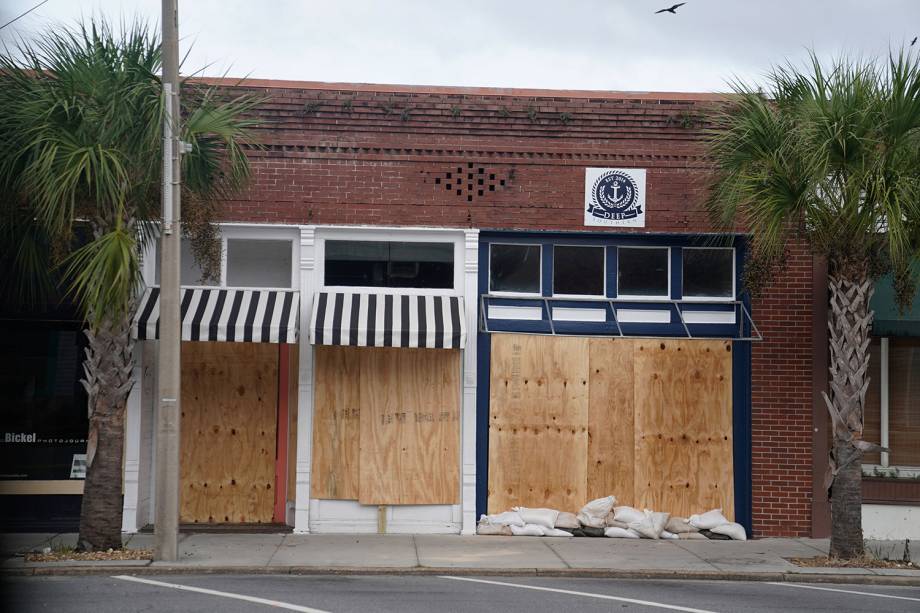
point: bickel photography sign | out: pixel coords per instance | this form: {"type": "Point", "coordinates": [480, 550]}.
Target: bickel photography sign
{"type": "Point", "coordinates": [615, 197]}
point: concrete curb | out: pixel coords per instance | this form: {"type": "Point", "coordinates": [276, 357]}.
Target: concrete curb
{"type": "Point", "coordinates": [658, 575]}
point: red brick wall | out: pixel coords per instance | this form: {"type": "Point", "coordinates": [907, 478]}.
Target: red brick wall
{"type": "Point", "coordinates": [360, 155]}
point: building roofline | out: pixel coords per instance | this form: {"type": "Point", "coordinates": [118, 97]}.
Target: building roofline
{"type": "Point", "coordinates": [459, 90]}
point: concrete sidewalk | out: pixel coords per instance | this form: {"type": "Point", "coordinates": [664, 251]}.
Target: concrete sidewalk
{"type": "Point", "coordinates": [763, 559]}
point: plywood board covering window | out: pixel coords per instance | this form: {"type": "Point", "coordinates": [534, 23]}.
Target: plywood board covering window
{"type": "Point", "coordinates": [387, 425]}
{"type": "Point", "coordinates": [572, 419]}
{"type": "Point", "coordinates": [228, 432]}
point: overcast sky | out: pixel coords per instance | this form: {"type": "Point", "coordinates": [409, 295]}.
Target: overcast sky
{"type": "Point", "coordinates": [568, 44]}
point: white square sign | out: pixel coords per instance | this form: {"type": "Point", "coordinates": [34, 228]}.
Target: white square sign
{"type": "Point", "coordinates": [615, 197]}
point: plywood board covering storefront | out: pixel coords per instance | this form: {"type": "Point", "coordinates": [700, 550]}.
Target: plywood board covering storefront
{"type": "Point", "coordinates": [652, 423]}
{"type": "Point", "coordinates": [387, 425]}
{"type": "Point", "coordinates": [228, 432]}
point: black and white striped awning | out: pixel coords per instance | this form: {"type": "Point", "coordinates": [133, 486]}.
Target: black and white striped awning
{"type": "Point", "coordinates": [225, 314]}
{"type": "Point", "coordinates": [387, 320]}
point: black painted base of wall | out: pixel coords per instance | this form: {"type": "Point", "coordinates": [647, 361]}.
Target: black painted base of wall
{"type": "Point", "coordinates": [40, 513]}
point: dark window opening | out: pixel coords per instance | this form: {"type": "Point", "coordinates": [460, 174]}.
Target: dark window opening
{"type": "Point", "coordinates": [643, 272]}
{"type": "Point", "coordinates": [708, 273]}
{"type": "Point", "coordinates": [578, 270]}
{"type": "Point", "coordinates": [514, 268]}
{"type": "Point", "coordinates": [389, 264]}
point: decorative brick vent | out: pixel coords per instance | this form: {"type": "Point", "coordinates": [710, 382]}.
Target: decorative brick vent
{"type": "Point", "coordinates": [468, 181]}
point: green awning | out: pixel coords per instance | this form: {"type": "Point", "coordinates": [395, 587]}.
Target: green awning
{"type": "Point", "coordinates": [888, 320]}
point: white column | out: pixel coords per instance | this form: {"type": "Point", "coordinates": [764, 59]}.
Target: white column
{"type": "Point", "coordinates": [883, 403]}
{"type": "Point", "coordinates": [305, 383]}
{"type": "Point", "coordinates": [468, 436]}
{"type": "Point", "coordinates": [130, 483]}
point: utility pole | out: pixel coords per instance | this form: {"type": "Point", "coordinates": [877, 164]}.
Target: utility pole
{"type": "Point", "coordinates": [166, 511]}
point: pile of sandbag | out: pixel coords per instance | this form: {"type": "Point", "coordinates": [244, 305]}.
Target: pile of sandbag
{"type": "Point", "coordinates": [602, 518]}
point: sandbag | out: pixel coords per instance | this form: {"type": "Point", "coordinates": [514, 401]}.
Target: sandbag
{"type": "Point", "coordinates": [594, 513]}
{"type": "Point", "coordinates": [557, 532]}
{"type": "Point", "coordinates": [621, 533]}
{"type": "Point", "coordinates": [714, 536]}
{"type": "Point", "coordinates": [487, 529]}
{"type": "Point", "coordinates": [679, 525]}
{"type": "Point", "coordinates": [588, 531]}
{"type": "Point", "coordinates": [668, 535]}
{"type": "Point", "coordinates": [733, 530]}
{"type": "Point", "coordinates": [627, 515]}
{"type": "Point", "coordinates": [540, 517]}
{"type": "Point", "coordinates": [508, 518]}
{"type": "Point", "coordinates": [566, 520]}
{"type": "Point", "coordinates": [651, 525]}
{"type": "Point", "coordinates": [692, 536]}
{"type": "Point", "coordinates": [613, 523]}
{"type": "Point", "coordinates": [528, 530]}
{"type": "Point", "coordinates": [708, 520]}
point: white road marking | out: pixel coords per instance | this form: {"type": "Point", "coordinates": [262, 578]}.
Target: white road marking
{"type": "Point", "coordinates": [832, 589]}
{"type": "Point", "coordinates": [647, 603]}
{"type": "Point", "coordinates": [200, 590]}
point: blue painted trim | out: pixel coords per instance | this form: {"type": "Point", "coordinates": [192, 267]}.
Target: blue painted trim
{"type": "Point", "coordinates": [741, 408]}
{"type": "Point", "coordinates": [483, 362]}
{"type": "Point", "coordinates": [546, 274]}
{"type": "Point", "coordinates": [677, 273]}
{"type": "Point", "coordinates": [612, 271]}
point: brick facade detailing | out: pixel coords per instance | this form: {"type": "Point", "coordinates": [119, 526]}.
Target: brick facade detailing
{"type": "Point", "coordinates": [377, 155]}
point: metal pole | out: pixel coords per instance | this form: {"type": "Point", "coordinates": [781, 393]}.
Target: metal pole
{"type": "Point", "coordinates": [166, 512]}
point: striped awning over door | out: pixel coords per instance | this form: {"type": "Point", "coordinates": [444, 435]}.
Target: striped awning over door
{"type": "Point", "coordinates": [387, 320]}
{"type": "Point", "coordinates": [225, 314]}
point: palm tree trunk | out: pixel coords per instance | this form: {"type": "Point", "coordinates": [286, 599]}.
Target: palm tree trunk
{"type": "Point", "coordinates": [850, 321]}
{"type": "Point", "coordinates": [108, 364]}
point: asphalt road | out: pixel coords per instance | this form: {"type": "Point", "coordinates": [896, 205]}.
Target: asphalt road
{"type": "Point", "coordinates": [405, 594]}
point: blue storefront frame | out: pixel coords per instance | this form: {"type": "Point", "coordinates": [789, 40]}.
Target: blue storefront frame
{"type": "Point", "coordinates": [741, 349]}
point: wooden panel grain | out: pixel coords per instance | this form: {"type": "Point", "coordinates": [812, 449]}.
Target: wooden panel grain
{"type": "Point", "coordinates": [538, 422]}
{"type": "Point", "coordinates": [683, 426]}
{"type": "Point", "coordinates": [611, 445]}
{"type": "Point", "coordinates": [229, 412]}
{"type": "Point", "coordinates": [293, 394]}
{"type": "Point", "coordinates": [336, 423]}
{"type": "Point", "coordinates": [410, 426]}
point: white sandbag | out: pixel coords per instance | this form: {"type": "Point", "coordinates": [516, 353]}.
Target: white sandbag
{"type": "Point", "coordinates": [651, 525]}
{"type": "Point", "coordinates": [540, 517]}
{"type": "Point", "coordinates": [708, 520]}
{"type": "Point", "coordinates": [567, 520]}
{"type": "Point", "coordinates": [591, 521]}
{"type": "Point", "coordinates": [668, 535]}
{"type": "Point", "coordinates": [614, 523]}
{"type": "Point", "coordinates": [508, 518]}
{"type": "Point", "coordinates": [627, 515]}
{"type": "Point", "coordinates": [735, 531]}
{"type": "Point", "coordinates": [621, 533]}
{"type": "Point", "coordinates": [556, 532]}
{"type": "Point", "coordinates": [487, 529]}
{"type": "Point", "coordinates": [679, 525]}
{"type": "Point", "coordinates": [528, 530]}
{"type": "Point", "coordinates": [599, 507]}
{"type": "Point", "coordinates": [691, 536]}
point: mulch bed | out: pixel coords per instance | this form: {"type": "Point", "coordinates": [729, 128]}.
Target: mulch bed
{"type": "Point", "coordinates": [111, 554]}
{"type": "Point", "coordinates": [864, 562]}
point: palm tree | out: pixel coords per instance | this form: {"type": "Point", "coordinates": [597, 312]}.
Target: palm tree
{"type": "Point", "coordinates": [80, 146]}
{"type": "Point", "coordinates": [830, 156]}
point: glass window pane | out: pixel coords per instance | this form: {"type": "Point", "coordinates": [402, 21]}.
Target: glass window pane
{"type": "Point", "coordinates": [642, 272]}
{"type": "Point", "coordinates": [189, 270]}
{"type": "Point", "coordinates": [708, 273]}
{"type": "Point", "coordinates": [389, 264]}
{"type": "Point", "coordinates": [578, 270]}
{"type": "Point", "coordinates": [514, 268]}
{"type": "Point", "coordinates": [903, 402]}
{"type": "Point", "coordinates": [258, 263]}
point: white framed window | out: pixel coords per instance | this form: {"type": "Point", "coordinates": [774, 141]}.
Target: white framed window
{"type": "Point", "coordinates": [644, 273]}
{"type": "Point", "coordinates": [579, 270]}
{"type": "Point", "coordinates": [708, 273]}
{"type": "Point", "coordinates": [257, 256]}
{"type": "Point", "coordinates": [515, 269]}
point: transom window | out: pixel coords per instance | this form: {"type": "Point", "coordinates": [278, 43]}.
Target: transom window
{"type": "Point", "coordinates": [514, 268]}
{"type": "Point", "coordinates": [709, 272]}
{"type": "Point", "coordinates": [643, 272]}
{"type": "Point", "coordinates": [246, 263]}
{"type": "Point", "coordinates": [356, 263]}
{"type": "Point", "coordinates": [578, 270]}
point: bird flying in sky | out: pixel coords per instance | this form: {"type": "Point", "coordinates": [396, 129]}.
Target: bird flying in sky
{"type": "Point", "coordinates": [672, 9]}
